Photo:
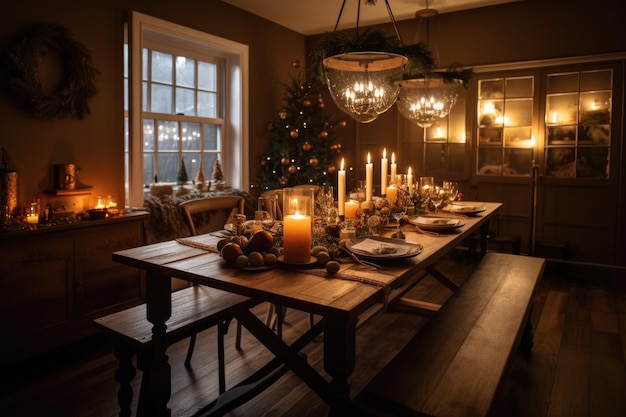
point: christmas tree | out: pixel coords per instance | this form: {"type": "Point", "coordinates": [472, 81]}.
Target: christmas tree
{"type": "Point", "coordinates": [303, 143]}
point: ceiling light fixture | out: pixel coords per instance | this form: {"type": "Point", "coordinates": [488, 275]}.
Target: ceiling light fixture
{"type": "Point", "coordinates": [428, 98]}
{"type": "Point", "coordinates": [365, 84]}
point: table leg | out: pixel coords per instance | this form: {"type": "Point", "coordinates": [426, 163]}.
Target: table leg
{"type": "Point", "coordinates": [159, 310]}
{"type": "Point", "coordinates": [339, 362]}
{"type": "Point", "coordinates": [484, 233]}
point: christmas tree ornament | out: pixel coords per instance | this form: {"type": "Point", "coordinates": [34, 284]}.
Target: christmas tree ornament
{"type": "Point", "coordinates": [270, 127]}
{"type": "Point", "coordinates": [296, 63]}
{"type": "Point", "coordinates": [284, 180]}
{"type": "Point", "coordinates": [324, 134]}
{"type": "Point", "coordinates": [285, 161]}
{"type": "Point", "coordinates": [331, 169]}
{"type": "Point", "coordinates": [314, 162]}
{"type": "Point", "coordinates": [307, 146]}
{"type": "Point", "coordinates": [293, 169]}
{"type": "Point", "coordinates": [294, 134]}
{"type": "Point", "coordinates": [306, 103]}
{"type": "Point", "coordinates": [282, 114]}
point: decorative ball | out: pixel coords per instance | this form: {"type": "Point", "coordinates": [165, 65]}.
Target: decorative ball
{"type": "Point", "coordinates": [293, 169]}
{"type": "Point", "coordinates": [307, 146]}
{"type": "Point", "coordinates": [285, 161]}
{"type": "Point", "coordinates": [284, 180]}
{"type": "Point", "coordinates": [314, 162]}
{"type": "Point", "coordinates": [296, 63]}
{"type": "Point", "coordinates": [263, 162]}
{"type": "Point", "coordinates": [270, 127]}
{"type": "Point", "coordinates": [343, 123]}
{"type": "Point", "coordinates": [306, 102]}
{"type": "Point", "coordinates": [331, 169]}
{"type": "Point", "coordinates": [294, 134]}
{"type": "Point", "coordinates": [321, 105]}
{"type": "Point", "coordinates": [282, 114]}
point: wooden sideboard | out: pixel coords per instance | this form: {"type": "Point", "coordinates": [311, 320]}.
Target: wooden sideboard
{"type": "Point", "coordinates": [55, 280]}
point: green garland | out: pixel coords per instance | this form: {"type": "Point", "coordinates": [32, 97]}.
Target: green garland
{"type": "Point", "coordinates": [21, 81]}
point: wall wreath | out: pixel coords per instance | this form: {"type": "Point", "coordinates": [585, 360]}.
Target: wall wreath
{"type": "Point", "coordinates": [21, 79]}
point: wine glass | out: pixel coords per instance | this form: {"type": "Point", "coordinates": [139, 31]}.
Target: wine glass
{"type": "Point", "coordinates": [451, 189]}
{"type": "Point", "coordinates": [398, 206]}
{"type": "Point", "coordinates": [436, 196]}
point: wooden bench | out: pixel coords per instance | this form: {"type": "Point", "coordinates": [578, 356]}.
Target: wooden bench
{"type": "Point", "coordinates": [194, 309]}
{"type": "Point", "coordinates": [455, 363]}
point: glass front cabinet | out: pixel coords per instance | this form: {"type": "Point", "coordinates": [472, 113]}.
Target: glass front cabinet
{"type": "Point", "coordinates": [543, 138]}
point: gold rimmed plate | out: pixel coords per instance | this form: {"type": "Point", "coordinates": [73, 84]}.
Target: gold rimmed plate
{"type": "Point", "coordinates": [378, 248]}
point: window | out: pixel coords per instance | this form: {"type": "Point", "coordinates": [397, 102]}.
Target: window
{"type": "Point", "coordinates": [185, 101]}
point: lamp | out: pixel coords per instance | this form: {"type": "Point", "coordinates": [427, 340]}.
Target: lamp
{"type": "Point", "coordinates": [430, 97]}
{"type": "Point", "coordinates": [364, 84]}
{"type": "Point", "coordinates": [426, 100]}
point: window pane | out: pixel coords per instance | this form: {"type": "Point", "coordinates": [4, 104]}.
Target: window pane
{"type": "Point", "coordinates": [208, 162]}
{"type": "Point", "coordinates": [519, 87]}
{"type": "Point", "coordinates": [162, 67]}
{"type": "Point", "coordinates": [207, 104]}
{"type": "Point", "coordinates": [148, 168]}
{"type": "Point", "coordinates": [518, 112]}
{"type": "Point", "coordinates": [207, 76]}
{"type": "Point", "coordinates": [161, 100]}
{"type": "Point", "coordinates": [185, 71]}
{"type": "Point", "coordinates": [562, 83]}
{"type": "Point", "coordinates": [144, 68]}
{"type": "Point", "coordinates": [560, 162]}
{"type": "Point", "coordinates": [596, 80]}
{"type": "Point", "coordinates": [191, 136]}
{"type": "Point", "coordinates": [192, 164]}
{"type": "Point", "coordinates": [490, 161]}
{"type": "Point", "coordinates": [595, 107]}
{"type": "Point", "coordinates": [211, 137]}
{"type": "Point", "coordinates": [593, 162]}
{"type": "Point", "coordinates": [185, 102]}
{"type": "Point", "coordinates": [148, 134]}
{"type": "Point", "coordinates": [168, 136]}
{"type": "Point", "coordinates": [145, 102]}
{"type": "Point", "coordinates": [517, 161]}
{"type": "Point", "coordinates": [168, 167]}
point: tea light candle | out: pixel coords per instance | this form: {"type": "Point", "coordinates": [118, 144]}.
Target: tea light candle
{"type": "Point", "coordinates": [383, 172]}
{"type": "Point", "coordinates": [394, 167]}
{"type": "Point", "coordinates": [297, 238]}
{"type": "Point", "coordinates": [341, 189]}
{"type": "Point", "coordinates": [351, 209]}
{"type": "Point", "coordinates": [369, 177]}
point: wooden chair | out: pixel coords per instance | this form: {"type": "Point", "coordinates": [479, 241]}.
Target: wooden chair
{"type": "Point", "coordinates": [205, 215]}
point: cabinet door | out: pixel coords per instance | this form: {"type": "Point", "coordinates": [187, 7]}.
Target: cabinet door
{"type": "Point", "coordinates": [101, 284]}
{"type": "Point", "coordinates": [35, 294]}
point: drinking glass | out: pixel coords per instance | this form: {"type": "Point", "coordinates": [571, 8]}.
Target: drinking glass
{"type": "Point", "coordinates": [436, 196]}
{"type": "Point", "coordinates": [451, 189]}
{"type": "Point", "coordinates": [398, 207]}
{"type": "Point", "coordinates": [266, 212]}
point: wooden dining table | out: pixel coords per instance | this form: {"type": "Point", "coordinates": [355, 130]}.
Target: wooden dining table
{"type": "Point", "coordinates": [343, 300]}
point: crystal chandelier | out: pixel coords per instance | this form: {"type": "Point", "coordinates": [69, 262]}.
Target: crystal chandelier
{"type": "Point", "coordinates": [426, 100]}
{"type": "Point", "coordinates": [364, 84]}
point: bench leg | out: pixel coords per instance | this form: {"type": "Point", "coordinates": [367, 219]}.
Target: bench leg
{"type": "Point", "coordinates": [124, 375]}
{"type": "Point", "coordinates": [222, 328]}
{"type": "Point", "coordinates": [192, 344]}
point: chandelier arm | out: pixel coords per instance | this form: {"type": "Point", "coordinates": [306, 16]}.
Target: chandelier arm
{"type": "Point", "coordinates": [358, 16]}
{"type": "Point", "coordinates": [393, 22]}
{"type": "Point", "coordinates": [339, 17]}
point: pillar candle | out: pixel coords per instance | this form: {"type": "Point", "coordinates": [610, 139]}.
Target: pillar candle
{"type": "Point", "coordinates": [369, 177]}
{"type": "Point", "coordinates": [297, 239]}
{"type": "Point", "coordinates": [383, 172]}
{"type": "Point", "coordinates": [341, 189]}
{"type": "Point", "coordinates": [392, 193]}
{"type": "Point", "coordinates": [32, 218]}
{"type": "Point", "coordinates": [394, 167]}
{"type": "Point", "coordinates": [409, 180]}
{"type": "Point", "coordinates": [351, 209]}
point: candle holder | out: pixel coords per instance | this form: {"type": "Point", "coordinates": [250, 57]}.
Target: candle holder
{"type": "Point", "coordinates": [298, 217]}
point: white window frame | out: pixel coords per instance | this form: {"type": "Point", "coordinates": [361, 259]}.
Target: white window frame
{"type": "Point", "coordinates": [235, 153]}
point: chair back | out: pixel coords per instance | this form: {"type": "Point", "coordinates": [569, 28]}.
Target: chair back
{"type": "Point", "coordinates": [209, 214]}
{"type": "Point", "coordinates": [266, 196]}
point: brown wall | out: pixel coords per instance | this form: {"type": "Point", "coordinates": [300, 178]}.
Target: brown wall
{"type": "Point", "coordinates": [96, 142]}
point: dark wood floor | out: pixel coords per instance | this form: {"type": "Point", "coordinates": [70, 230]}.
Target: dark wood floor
{"type": "Point", "coordinates": [577, 367]}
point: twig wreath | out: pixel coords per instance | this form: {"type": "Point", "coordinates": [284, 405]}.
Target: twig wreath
{"type": "Point", "coordinates": [21, 80]}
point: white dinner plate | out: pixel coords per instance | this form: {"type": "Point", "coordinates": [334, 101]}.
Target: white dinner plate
{"type": "Point", "coordinates": [466, 207]}
{"type": "Point", "coordinates": [404, 249]}
{"type": "Point", "coordinates": [436, 223]}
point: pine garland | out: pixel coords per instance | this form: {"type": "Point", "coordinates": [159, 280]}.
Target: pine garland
{"type": "Point", "coordinates": [21, 81]}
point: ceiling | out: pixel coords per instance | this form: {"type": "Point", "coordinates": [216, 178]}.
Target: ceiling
{"type": "Point", "coordinates": [313, 17]}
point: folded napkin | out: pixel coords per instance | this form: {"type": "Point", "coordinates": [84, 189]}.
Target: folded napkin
{"type": "Point", "coordinates": [436, 221]}
{"type": "Point", "coordinates": [376, 247]}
